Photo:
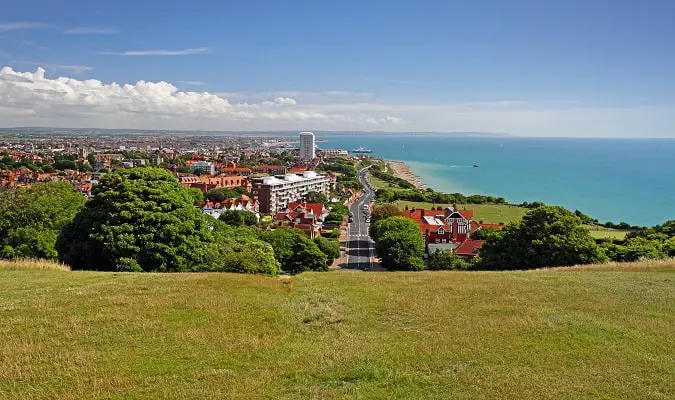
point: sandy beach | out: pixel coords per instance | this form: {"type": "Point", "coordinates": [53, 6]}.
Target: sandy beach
{"type": "Point", "coordinates": [403, 171]}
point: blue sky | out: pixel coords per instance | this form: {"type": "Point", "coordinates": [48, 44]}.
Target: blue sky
{"type": "Point", "coordinates": [537, 68]}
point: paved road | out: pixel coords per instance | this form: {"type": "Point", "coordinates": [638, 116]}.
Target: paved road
{"type": "Point", "coordinates": [360, 247]}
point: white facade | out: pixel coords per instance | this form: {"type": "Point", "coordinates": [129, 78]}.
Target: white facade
{"type": "Point", "coordinates": [205, 167]}
{"type": "Point", "coordinates": [275, 193]}
{"type": "Point", "coordinates": [307, 146]}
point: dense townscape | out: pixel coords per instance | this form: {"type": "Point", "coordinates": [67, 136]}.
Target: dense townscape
{"type": "Point", "coordinates": [142, 202]}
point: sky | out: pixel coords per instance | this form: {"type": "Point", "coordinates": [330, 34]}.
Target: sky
{"type": "Point", "coordinates": [592, 68]}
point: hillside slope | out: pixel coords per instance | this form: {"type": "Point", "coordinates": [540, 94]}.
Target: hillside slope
{"type": "Point", "coordinates": [535, 334]}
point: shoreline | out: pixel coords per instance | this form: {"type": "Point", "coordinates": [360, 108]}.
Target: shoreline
{"type": "Point", "coordinates": [402, 170]}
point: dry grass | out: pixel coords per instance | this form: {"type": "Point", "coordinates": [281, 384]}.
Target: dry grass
{"type": "Point", "coordinates": [32, 264]}
{"type": "Point", "coordinates": [646, 265]}
{"type": "Point", "coordinates": [429, 335]}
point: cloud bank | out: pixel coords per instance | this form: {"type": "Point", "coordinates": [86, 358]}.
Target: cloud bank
{"type": "Point", "coordinates": [29, 98]}
{"type": "Point", "coordinates": [35, 99]}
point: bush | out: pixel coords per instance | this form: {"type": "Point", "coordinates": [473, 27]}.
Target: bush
{"type": "Point", "coordinates": [328, 247]}
{"type": "Point", "coordinates": [446, 260]}
{"type": "Point", "coordinates": [295, 252]}
{"type": "Point", "coordinates": [241, 255]}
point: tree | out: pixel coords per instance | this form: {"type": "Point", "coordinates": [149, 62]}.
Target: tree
{"type": "Point", "coordinates": [399, 243]}
{"type": "Point", "coordinates": [31, 218]}
{"type": "Point", "coordinates": [547, 236]}
{"type": "Point", "coordinates": [238, 218]}
{"type": "Point", "coordinates": [316, 197]}
{"type": "Point", "coordinates": [295, 251]}
{"type": "Point", "coordinates": [241, 255]}
{"type": "Point", "coordinates": [385, 211]}
{"type": "Point", "coordinates": [486, 233]}
{"type": "Point", "coordinates": [446, 260]}
{"type": "Point", "coordinates": [220, 194]}
{"type": "Point", "coordinates": [65, 164]}
{"type": "Point", "coordinates": [328, 247]}
{"type": "Point", "coordinates": [137, 219]}
{"type": "Point", "coordinates": [196, 194]}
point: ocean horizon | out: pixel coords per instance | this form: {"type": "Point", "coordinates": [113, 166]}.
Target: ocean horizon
{"type": "Point", "coordinates": [631, 180]}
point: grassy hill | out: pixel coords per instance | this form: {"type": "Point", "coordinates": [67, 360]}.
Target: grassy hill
{"type": "Point", "coordinates": [587, 332]}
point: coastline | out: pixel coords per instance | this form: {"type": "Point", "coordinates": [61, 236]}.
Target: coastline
{"type": "Point", "coordinates": [402, 170]}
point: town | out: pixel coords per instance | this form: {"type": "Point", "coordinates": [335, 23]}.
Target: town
{"type": "Point", "coordinates": [276, 179]}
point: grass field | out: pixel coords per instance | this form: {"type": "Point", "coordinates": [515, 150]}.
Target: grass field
{"type": "Point", "coordinates": [600, 232]}
{"type": "Point", "coordinates": [488, 213]}
{"type": "Point", "coordinates": [569, 334]}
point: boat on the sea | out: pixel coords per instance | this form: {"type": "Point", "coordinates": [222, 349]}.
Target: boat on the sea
{"type": "Point", "coordinates": [360, 150]}
{"type": "Point", "coordinates": [475, 165]}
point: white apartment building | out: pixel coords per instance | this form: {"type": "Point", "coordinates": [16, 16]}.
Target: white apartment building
{"type": "Point", "coordinates": [273, 193]}
{"type": "Point", "coordinates": [307, 146]}
{"type": "Point", "coordinates": [204, 167]}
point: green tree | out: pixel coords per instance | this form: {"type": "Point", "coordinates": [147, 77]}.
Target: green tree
{"type": "Point", "coordinates": [219, 194]}
{"type": "Point", "coordinates": [141, 218]}
{"type": "Point", "coordinates": [328, 247]}
{"type": "Point", "coordinates": [316, 197]}
{"type": "Point", "coordinates": [238, 218]}
{"type": "Point", "coordinates": [31, 218]}
{"type": "Point", "coordinates": [241, 255]}
{"type": "Point", "coordinates": [399, 243]}
{"type": "Point", "coordinates": [385, 211]}
{"type": "Point", "coordinates": [486, 233]}
{"type": "Point", "coordinates": [547, 236]}
{"type": "Point", "coordinates": [446, 260]}
{"type": "Point", "coordinates": [197, 195]}
{"type": "Point", "coordinates": [65, 164]}
{"type": "Point", "coordinates": [295, 252]}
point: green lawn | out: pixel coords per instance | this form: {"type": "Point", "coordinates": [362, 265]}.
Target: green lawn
{"type": "Point", "coordinates": [379, 183]}
{"type": "Point", "coordinates": [600, 232]}
{"type": "Point", "coordinates": [488, 213]}
{"type": "Point", "coordinates": [334, 335]}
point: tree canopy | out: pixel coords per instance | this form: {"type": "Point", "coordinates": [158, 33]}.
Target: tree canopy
{"type": "Point", "coordinates": [138, 219]}
{"type": "Point", "coordinates": [238, 218]}
{"type": "Point", "coordinates": [295, 251]}
{"type": "Point", "coordinates": [31, 218]}
{"type": "Point", "coordinates": [547, 236]}
{"type": "Point", "coordinates": [316, 197]}
{"type": "Point", "coordinates": [399, 243]}
{"type": "Point", "coordinates": [220, 194]}
{"type": "Point", "coordinates": [385, 211]}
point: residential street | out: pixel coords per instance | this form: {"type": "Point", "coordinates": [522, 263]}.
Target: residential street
{"type": "Point", "coordinates": [360, 247]}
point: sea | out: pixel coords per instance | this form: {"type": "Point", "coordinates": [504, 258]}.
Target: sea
{"type": "Point", "coordinates": [631, 180]}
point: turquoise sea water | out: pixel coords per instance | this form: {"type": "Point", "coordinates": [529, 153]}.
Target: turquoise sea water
{"type": "Point", "coordinates": [610, 179]}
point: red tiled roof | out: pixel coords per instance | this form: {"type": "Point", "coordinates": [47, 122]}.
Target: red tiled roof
{"type": "Point", "coordinates": [316, 208]}
{"type": "Point", "coordinates": [469, 247]}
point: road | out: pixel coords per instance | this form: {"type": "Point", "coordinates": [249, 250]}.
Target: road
{"type": "Point", "coordinates": [360, 247]}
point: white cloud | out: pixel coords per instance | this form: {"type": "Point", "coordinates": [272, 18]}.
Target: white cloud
{"type": "Point", "coordinates": [90, 30]}
{"type": "Point", "coordinates": [184, 52]}
{"type": "Point", "coordinates": [20, 26]}
{"type": "Point", "coordinates": [34, 99]}
{"type": "Point", "coordinates": [194, 83]}
{"type": "Point", "coordinates": [280, 101]}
